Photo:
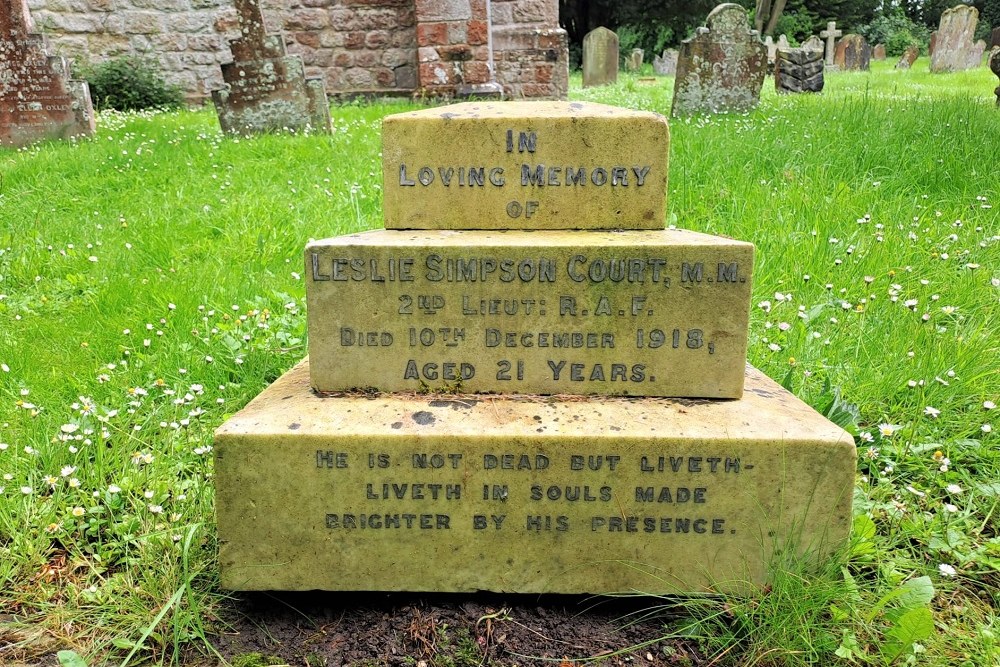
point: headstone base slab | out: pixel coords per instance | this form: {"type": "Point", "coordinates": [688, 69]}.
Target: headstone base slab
{"type": "Point", "coordinates": [526, 494]}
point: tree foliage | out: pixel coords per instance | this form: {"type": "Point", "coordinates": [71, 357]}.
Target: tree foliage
{"type": "Point", "coordinates": [654, 25]}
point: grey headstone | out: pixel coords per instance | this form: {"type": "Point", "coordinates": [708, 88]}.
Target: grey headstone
{"type": "Point", "coordinates": [266, 89]}
{"type": "Point", "coordinates": [722, 67]}
{"type": "Point", "coordinates": [38, 100]}
{"type": "Point", "coordinates": [975, 55]}
{"type": "Point", "coordinates": [954, 40]}
{"type": "Point", "coordinates": [634, 61]}
{"type": "Point", "coordinates": [878, 52]}
{"type": "Point", "coordinates": [666, 65]}
{"type": "Point", "coordinates": [600, 57]}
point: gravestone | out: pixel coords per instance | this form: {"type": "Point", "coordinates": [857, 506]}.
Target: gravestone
{"type": "Point", "coordinates": [38, 99]}
{"type": "Point", "coordinates": [722, 67]}
{"type": "Point", "coordinates": [909, 57]}
{"type": "Point", "coordinates": [666, 65]}
{"type": "Point", "coordinates": [975, 55]}
{"type": "Point", "coordinates": [932, 44]}
{"type": "Point", "coordinates": [954, 39]}
{"type": "Point", "coordinates": [772, 47]}
{"type": "Point", "coordinates": [600, 57]}
{"type": "Point", "coordinates": [507, 491]}
{"type": "Point", "coordinates": [878, 52]}
{"type": "Point", "coordinates": [814, 43]}
{"type": "Point", "coordinates": [800, 70]}
{"type": "Point", "coordinates": [830, 35]}
{"type": "Point", "coordinates": [995, 38]}
{"type": "Point", "coordinates": [267, 89]}
{"type": "Point", "coordinates": [853, 54]}
{"type": "Point", "coordinates": [995, 67]}
{"type": "Point", "coordinates": [634, 62]}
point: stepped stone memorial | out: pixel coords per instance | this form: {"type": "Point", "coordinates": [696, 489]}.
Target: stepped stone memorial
{"type": "Point", "coordinates": [666, 65]}
{"type": "Point", "coordinates": [600, 57]}
{"type": "Point", "coordinates": [955, 39]}
{"type": "Point", "coordinates": [830, 35]}
{"type": "Point", "coordinates": [853, 54]}
{"type": "Point", "coordinates": [578, 472]}
{"type": "Point", "coordinates": [800, 70]}
{"type": "Point", "coordinates": [267, 89]}
{"type": "Point", "coordinates": [909, 57]}
{"type": "Point", "coordinates": [38, 99]}
{"type": "Point", "coordinates": [722, 67]}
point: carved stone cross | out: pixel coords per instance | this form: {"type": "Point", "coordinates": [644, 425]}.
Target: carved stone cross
{"type": "Point", "coordinates": [830, 35]}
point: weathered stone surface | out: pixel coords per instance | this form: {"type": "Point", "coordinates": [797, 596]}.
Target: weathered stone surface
{"type": "Point", "coordinates": [267, 90]}
{"type": "Point", "coordinates": [772, 47]}
{"type": "Point", "coordinates": [909, 57]}
{"type": "Point", "coordinates": [641, 313]}
{"type": "Point", "coordinates": [468, 493]}
{"type": "Point", "coordinates": [495, 182]}
{"type": "Point", "coordinates": [600, 57]}
{"type": "Point", "coordinates": [634, 61]}
{"type": "Point", "coordinates": [933, 43]}
{"type": "Point", "coordinates": [830, 35]}
{"type": "Point", "coordinates": [799, 70]}
{"type": "Point", "coordinates": [878, 52]}
{"type": "Point", "coordinates": [853, 54]}
{"type": "Point", "coordinates": [666, 65]}
{"type": "Point", "coordinates": [343, 42]}
{"type": "Point", "coordinates": [975, 55]}
{"type": "Point", "coordinates": [38, 100]}
{"type": "Point", "coordinates": [995, 67]}
{"type": "Point", "coordinates": [995, 38]}
{"type": "Point", "coordinates": [722, 67]}
{"type": "Point", "coordinates": [954, 39]}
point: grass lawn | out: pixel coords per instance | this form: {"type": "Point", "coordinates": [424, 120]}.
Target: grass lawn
{"type": "Point", "coordinates": [151, 285]}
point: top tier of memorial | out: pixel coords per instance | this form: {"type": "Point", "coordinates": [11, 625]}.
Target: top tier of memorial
{"type": "Point", "coordinates": [525, 165]}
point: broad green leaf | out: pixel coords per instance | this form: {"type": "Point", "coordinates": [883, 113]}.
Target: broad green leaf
{"type": "Point", "coordinates": [916, 593]}
{"type": "Point", "coordinates": [70, 659]}
{"type": "Point", "coordinates": [913, 626]}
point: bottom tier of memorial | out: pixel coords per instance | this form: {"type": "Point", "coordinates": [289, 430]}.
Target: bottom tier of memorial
{"type": "Point", "coordinates": [525, 494]}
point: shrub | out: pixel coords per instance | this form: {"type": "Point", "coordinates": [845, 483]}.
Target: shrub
{"type": "Point", "coordinates": [897, 32]}
{"type": "Point", "coordinates": [130, 83]}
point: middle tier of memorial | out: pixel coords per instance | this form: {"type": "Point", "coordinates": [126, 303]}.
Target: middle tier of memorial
{"type": "Point", "coordinates": [637, 313]}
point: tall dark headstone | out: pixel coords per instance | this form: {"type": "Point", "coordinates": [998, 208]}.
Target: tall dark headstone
{"type": "Point", "coordinates": [600, 57]}
{"type": "Point", "coordinates": [267, 89]}
{"type": "Point", "coordinates": [722, 67]}
{"type": "Point", "coordinates": [995, 66]}
{"type": "Point", "coordinates": [995, 38]}
{"type": "Point", "coordinates": [955, 40]}
{"type": "Point", "coordinates": [38, 100]}
{"type": "Point", "coordinates": [853, 54]}
{"type": "Point", "coordinates": [799, 70]}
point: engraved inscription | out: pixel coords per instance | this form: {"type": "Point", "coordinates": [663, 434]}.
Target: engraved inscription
{"type": "Point", "coordinates": [606, 500]}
